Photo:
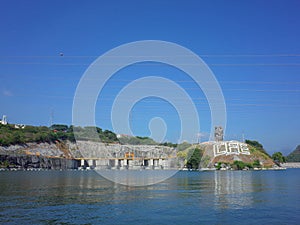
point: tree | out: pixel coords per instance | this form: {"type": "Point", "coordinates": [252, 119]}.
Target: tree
{"type": "Point", "coordinates": [18, 138]}
{"type": "Point", "coordinates": [255, 144]}
{"type": "Point", "coordinates": [169, 144]}
{"type": "Point", "coordinates": [194, 161]}
{"type": "Point", "coordinates": [294, 156]}
{"type": "Point", "coordinates": [110, 136]}
{"type": "Point", "coordinates": [182, 155]}
{"type": "Point", "coordinates": [258, 146]}
{"type": "Point", "coordinates": [239, 165]}
{"type": "Point", "coordinates": [59, 127]}
{"type": "Point", "coordinates": [256, 163]}
{"type": "Point", "coordinates": [278, 157]}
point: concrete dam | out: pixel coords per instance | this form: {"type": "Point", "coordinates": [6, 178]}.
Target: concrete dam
{"type": "Point", "coordinates": [100, 156]}
{"type": "Point", "coordinates": [90, 155]}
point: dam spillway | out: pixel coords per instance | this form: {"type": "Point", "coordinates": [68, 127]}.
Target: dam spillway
{"type": "Point", "coordinates": [100, 156]}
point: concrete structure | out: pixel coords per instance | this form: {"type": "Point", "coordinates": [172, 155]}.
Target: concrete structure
{"type": "Point", "coordinates": [124, 163]}
{"type": "Point", "coordinates": [20, 126]}
{"type": "Point", "coordinates": [4, 120]}
{"type": "Point", "coordinates": [291, 165]}
{"type": "Point", "coordinates": [97, 155]}
{"type": "Point", "coordinates": [219, 133]}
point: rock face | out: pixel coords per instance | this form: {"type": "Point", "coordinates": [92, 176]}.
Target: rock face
{"type": "Point", "coordinates": [28, 161]}
{"type": "Point", "coordinates": [67, 155]}
{"type": "Point", "coordinates": [88, 149]}
{"type": "Point", "coordinates": [39, 149]}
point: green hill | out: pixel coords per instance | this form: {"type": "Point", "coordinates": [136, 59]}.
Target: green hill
{"type": "Point", "coordinates": [132, 140]}
{"type": "Point", "coordinates": [10, 135]}
{"type": "Point", "coordinates": [294, 156]}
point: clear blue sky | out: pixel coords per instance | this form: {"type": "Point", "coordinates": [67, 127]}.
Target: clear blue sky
{"type": "Point", "coordinates": [252, 47]}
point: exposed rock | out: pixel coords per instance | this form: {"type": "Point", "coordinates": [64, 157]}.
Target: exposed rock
{"type": "Point", "coordinates": [63, 155]}
{"type": "Point", "coordinates": [27, 161]}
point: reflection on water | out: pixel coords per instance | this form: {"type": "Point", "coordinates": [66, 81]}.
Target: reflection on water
{"type": "Point", "coordinates": [137, 177]}
{"type": "Point", "coordinates": [84, 197]}
{"type": "Point", "coordinates": [233, 189]}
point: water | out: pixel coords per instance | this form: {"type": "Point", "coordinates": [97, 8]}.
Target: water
{"type": "Point", "coordinates": [83, 197]}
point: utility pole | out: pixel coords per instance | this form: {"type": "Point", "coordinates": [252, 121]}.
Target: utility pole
{"type": "Point", "coordinates": [51, 117]}
{"type": "Point", "coordinates": [198, 138]}
{"type": "Point", "coordinates": [243, 137]}
{"type": "Point", "coordinates": [130, 119]}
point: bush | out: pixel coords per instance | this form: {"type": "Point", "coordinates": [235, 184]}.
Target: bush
{"type": "Point", "coordinates": [194, 161]}
{"type": "Point", "coordinates": [256, 164]}
{"type": "Point", "coordinates": [258, 146]}
{"type": "Point", "coordinates": [238, 165]}
{"type": "Point", "coordinates": [278, 157]}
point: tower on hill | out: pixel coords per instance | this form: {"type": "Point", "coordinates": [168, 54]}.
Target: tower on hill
{"type": "Point", "coordinates": [219, 133]}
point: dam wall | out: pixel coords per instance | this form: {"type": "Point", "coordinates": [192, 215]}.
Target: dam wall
{"type": "Point", "coordinates": [88, 155]}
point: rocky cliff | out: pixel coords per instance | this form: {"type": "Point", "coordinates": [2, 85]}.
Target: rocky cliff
{"type": "Point", "coordinates": [68, 155]}
{"type": "Point", "coordinates": [33, 161]}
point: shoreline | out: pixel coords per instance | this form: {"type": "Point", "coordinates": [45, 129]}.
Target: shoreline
{"type": "Point", "coordinates": [291, 165]}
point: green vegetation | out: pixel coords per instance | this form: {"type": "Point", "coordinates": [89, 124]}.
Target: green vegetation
{"type": "Point", "coordinates": [183, 146]}
{"type": "Point", "coordinates": [278, 157]}
{"type": "Point", "coordinates": [9, 135]}
{"type": "Point", "coordinates": [256, 164]}
{"type": "Point", "coordinates": [194, 159]}
{"type": "Point", "coordinates": [132, 140]}
{"type": "Point", "coordinates": [183, 155]}
{"type": "Point", "coordinates": [169, 144]}
{"type": "Point", "coordinates": [190, 154]}
{"type": "Point", "coordinates": [238, 165]}
{"type": "Point", "coordinates": [137, 140]}
{"type": "Point", "coordinates": [61, 127]}
{"type": "Point", "coordinates": [258, 146]}
{"type": "Point", "coordinates": [294, 156]}
{"type": "Point", "coordinates": [218, 166]}
{"type": "Point", "coordinates": [91, 133]}
{"type": "Point", "coordinates": [205, 161]}
{"type": "Point", "coordinates": [4, 164]}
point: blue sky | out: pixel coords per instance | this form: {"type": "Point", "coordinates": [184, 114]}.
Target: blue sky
{"type": "Point", "coordinates": [252, 47]}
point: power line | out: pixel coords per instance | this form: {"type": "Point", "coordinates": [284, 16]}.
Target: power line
{"type": "Point", "coordinates": [54, 77]}
{"type": "Point", "coordinates": [171, 56]}
{"type": "Point", "coordinates": [158, 64]}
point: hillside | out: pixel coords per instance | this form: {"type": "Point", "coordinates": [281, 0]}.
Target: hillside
{"type": "Point", "coordinates": [255, 158]}
{"type": "Point", "coordinates": [294, 156]}
{"type": "Point", "coordinates": [132, 140]}
{"type": "Point", "coordinates": [12, 135]}
{"type": "Point", "coordinates": [58, 141]}
{"type": "Point", "coordinates": [226, 155]}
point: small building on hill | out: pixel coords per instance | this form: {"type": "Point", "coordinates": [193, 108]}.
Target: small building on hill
{"type": "Point", "coordinates": [4, 120]}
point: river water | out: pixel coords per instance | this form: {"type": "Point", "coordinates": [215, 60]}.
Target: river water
{"type": "Point", "coordinates": [84, 197]}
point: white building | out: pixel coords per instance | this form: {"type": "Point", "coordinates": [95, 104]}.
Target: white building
{"type": "Point", "coordinates": [4, 120]}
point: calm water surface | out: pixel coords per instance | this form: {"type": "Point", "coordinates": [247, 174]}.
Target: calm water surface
{"type": "Point", "coordinates": [83, 197]}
